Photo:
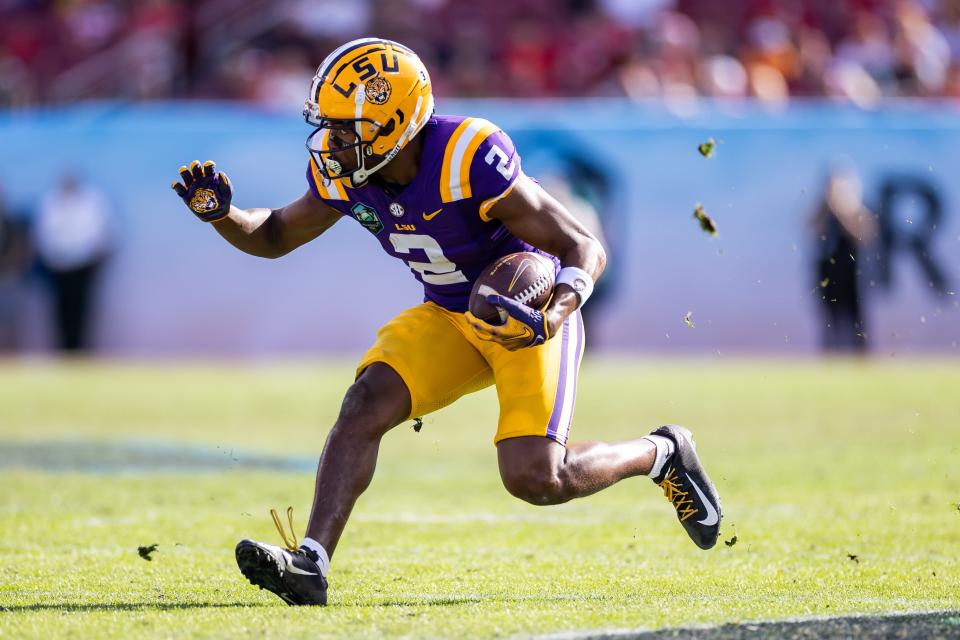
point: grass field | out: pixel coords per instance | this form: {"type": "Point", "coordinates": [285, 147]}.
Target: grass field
{"type": "Point", "coordinates": [815, 462]}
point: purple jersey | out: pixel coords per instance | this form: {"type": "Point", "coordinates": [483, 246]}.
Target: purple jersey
{"type": "Point", "coordinates": [438, 224]}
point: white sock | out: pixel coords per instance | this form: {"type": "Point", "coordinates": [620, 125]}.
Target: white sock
{"type": "Point", "coordinates": [665, 448]}
{"type": "Point", "coordinates": [323, 560]}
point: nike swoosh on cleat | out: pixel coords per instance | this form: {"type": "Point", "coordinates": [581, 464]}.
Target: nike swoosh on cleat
{"type": "Point", "coordinates": [292, 568]}
{"type": "Point", "coordinates": [712, 516]}
{"type": "Point", "coordinates": [433, 215]}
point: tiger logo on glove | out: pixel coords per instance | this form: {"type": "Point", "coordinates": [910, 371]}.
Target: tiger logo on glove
{"type": "Point", "coordinates": [204, 201]}
{"type": "Point", "coordinates": [205, 192]}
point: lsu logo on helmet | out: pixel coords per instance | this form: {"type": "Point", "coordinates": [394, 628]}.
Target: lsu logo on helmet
{"type": "Point", "coordinates": [368, 99]}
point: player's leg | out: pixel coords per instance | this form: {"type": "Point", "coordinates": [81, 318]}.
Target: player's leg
{"type": "Point", "coordinates": [420, 363]}
{"type": "Point", "coordinates": [537, 391]}
{"type": "Point", "coordinates": [378, 401]}
{"type": "Point", "coordinates": [375, 403]}
{"type": "Point", "coordinates": [542, 471]}
{"type": "Point", "coordinates": [536, 462]}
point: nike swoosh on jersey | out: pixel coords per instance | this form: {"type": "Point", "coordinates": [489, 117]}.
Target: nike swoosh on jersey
{"type": "Point", "coordinates": [432, 215]}
{"type": "Point", "coordinates": [712, 516]}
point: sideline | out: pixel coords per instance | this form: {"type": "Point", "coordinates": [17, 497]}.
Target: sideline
{"type": "Point", "coordinates": [135, 457]}
{"type": "Point", "coordinates": [928, 624]}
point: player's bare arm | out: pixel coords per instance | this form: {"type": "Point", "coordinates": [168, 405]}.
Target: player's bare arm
{"type": "Point", "coordinates": [266, 233]}
{"type": "Point", "coordinates": [533, 215]}
{"type": "Point", "coordinates": [271, 233]}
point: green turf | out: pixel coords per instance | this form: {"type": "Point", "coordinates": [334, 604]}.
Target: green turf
{"type": "Point", "coordinates": [814, 461]}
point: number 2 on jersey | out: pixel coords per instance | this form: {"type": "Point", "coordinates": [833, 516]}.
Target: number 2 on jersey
{"type": "Point", "coordinates": [505, 166]}
{"type": "Point", "coordinates": [439, 269]}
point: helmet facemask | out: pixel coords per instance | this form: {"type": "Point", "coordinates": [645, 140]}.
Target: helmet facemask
{"type": "Point", "coordinates": [344, 148]}
{"type": "Point", "coordinates": [338, 148]}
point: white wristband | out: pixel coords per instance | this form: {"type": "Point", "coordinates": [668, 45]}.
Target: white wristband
{"type": "Point", "coordinates": [579, 280]}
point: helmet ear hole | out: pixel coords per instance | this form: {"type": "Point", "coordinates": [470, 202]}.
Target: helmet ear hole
{"type": "Point", "coordinates": [385, 130]}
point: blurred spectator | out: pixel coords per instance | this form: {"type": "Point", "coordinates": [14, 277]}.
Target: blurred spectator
{"type": "Point", "coordinates": [527, 57]}
{"type": "Point", "coordinates": [16, 84]}
{"type": "Point", "coordinates": [329, 18]}
{"type": "Point", "coordinates": [14, 264]}
{"type": "Point", "coordinates": [951, 87]}
{"type": "Point", "coordinates": [851, 82]}
{"type": "Point", "coordinates": [669, 49]}
{"type": "Point", "coordinates": [868, 47]}
{"type": "Point", "coordinates": [72, 241]}
{"type": "Point", "coordinates": [814, 59]}
{"type": "Point", "coordinates": [842, 225]}
{"type": "Point", "coordinates": [948, 14]}
{"type": "Point", "coordinates": [723, 76]}
{"type": "Point", "coordinates": [922, 53]}
{"type": "Point", "coordinates": [89, 25]}
{"type": "Point", "coordinates": [635, 14]}
{"type": "Point", "coordinates": [283, 78]}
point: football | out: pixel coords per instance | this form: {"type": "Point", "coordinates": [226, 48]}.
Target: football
{"type": "Point", "coordinates": [526, 277]}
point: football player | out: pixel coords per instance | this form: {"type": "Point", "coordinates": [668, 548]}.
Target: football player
{"type": "Point", "coordinates": [447, 196]}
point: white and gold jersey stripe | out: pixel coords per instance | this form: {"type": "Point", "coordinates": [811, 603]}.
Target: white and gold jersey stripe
{"type": "Point", "coordinates": [458, 157]}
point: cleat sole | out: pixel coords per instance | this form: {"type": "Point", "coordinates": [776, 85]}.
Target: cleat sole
{"type": "Point", "coordinates": [261, 570]}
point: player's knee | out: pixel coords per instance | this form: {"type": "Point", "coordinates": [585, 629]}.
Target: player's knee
{"type": "Point", "coordinates": [366, 411]}
{"type": "Point", "coordinates": [539, 487]}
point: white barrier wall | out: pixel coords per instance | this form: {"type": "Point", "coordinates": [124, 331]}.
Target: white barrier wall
{"type": "Point", "coordinates": [174, 287]}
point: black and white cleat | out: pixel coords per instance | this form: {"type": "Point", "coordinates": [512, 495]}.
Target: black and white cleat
{"type": "Point", "coordinates": [686, 485]}
{"type": "Point", "coordinates": [292, 575]}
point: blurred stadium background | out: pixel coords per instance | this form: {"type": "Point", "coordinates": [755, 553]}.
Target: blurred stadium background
{"type": "Point", "coordinates": [608, 101]}
{"type": "Point", "coordinates": [832, 140]}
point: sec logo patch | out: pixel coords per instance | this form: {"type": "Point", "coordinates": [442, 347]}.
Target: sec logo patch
{"type": "Point", "coordinates": [397, 210]}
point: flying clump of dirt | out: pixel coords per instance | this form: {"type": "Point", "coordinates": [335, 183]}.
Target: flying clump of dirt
{"type": "Point", "coordinates": [147, 551]}
{"type": "Point", "coordinates": [707, 148]}
{"type": "Point", "coordinates": [706, 222]}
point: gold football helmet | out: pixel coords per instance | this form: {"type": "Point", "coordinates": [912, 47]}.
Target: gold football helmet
{"type": "Point", "coordinates": [368, 99]}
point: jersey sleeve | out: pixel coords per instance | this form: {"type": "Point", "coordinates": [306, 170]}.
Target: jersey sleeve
{"type": "Point", "coordinates": [480, 163]}
{"type": "Point", "coordinates": [324, 189]}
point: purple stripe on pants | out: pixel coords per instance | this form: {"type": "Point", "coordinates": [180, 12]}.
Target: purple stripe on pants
{"type": "Point", "coordinates": [576, 374]}
{"type": "Point", "coordinates": [561, 384]}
